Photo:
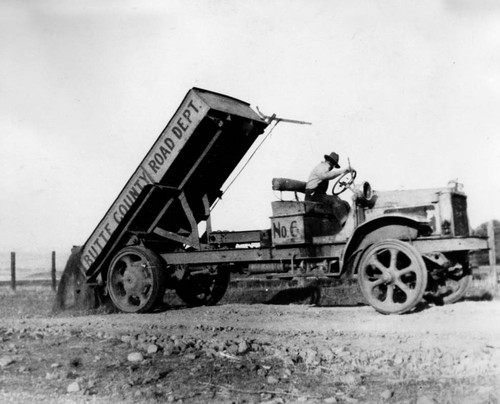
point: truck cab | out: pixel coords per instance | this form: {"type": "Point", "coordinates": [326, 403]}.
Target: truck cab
{"type": "Point", "coordinates": [432, 220]}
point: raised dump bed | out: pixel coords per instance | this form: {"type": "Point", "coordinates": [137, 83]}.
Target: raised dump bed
{"type": "Point", "coordinates": [180, 178]}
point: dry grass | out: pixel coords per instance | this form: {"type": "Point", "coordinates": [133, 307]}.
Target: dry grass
{"type": "Point", "coordinates": [26, 301]}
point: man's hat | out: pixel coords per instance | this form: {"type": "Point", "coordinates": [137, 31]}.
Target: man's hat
{"type": "Point", "coordinates": [333, 158]}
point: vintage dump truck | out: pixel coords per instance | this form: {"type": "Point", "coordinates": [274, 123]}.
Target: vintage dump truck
{"type": "Point", "coordinates": [158, 232]}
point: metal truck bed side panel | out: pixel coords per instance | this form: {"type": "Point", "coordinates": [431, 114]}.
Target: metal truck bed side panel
{"type": "Point", "coordinates": [197, 105]}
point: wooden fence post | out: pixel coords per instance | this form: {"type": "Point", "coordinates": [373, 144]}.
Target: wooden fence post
{"type": "Point", "coordinates": [493, 255]}
{"type": "Point", "coordinates": [13, 270]}
{"type": "Point", "coordinates": [53, 271]}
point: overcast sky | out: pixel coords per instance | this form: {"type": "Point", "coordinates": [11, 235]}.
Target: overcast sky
{"type": "Point", "coordinates": [409, 91]}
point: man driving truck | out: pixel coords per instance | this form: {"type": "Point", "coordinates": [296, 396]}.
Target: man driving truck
{"type": "Point", "coordinates": [317, 185]}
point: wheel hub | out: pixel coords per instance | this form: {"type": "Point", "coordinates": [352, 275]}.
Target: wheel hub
{"type": "Point", "coordinates": [388, 276]}
{"type": "Point", "coordinates": [133, 278]}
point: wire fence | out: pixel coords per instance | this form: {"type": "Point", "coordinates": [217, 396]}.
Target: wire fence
{"type": "Point", "coordinates": [28, 268]}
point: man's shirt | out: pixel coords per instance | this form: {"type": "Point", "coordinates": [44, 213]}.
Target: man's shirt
{"type": "Point", "coordinates": [320, 175]}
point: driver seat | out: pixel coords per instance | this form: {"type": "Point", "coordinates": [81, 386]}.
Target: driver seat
{"type": "Point", "coordinates": [332, 212]}
{"type": "Point", "coordinates": [287, 184]}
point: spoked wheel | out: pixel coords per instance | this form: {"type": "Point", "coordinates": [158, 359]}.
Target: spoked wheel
{"type": "Point", "coordinates": [203, 289]}
{"type": "Point", "coordinates": [392, 276]}
{"type": "Point", "coordinates": [136, 280]}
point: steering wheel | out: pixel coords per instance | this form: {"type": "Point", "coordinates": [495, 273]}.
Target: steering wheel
{"type": "Point", "coordinates": [344, 182]}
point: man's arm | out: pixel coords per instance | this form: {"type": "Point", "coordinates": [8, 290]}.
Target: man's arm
{"type": "Point", "coordinates": [334, 173]}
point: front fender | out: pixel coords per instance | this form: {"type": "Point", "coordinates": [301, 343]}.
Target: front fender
{"type": "Point", "coordinates": [396, 226]}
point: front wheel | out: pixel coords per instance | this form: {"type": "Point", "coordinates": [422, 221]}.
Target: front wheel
{"type": "Point", "coordinates": [392, 276]}
{"type": "Point", "coordinates": [136, 280]}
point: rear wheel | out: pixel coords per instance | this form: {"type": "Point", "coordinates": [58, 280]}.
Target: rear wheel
{"type": "Point", "coordinates": [136, 280]}
{"type": "Point", "coordinates": [392, 276]}
{"type": "Point", "coordinates": [204, 288]}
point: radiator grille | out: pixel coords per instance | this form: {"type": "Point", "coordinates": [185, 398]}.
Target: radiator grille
{"type": "Point", "coordinates": [460, 219]}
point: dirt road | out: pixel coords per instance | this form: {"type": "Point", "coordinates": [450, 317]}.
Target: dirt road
{"type": "Point", "coordinates": [254, 353]}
